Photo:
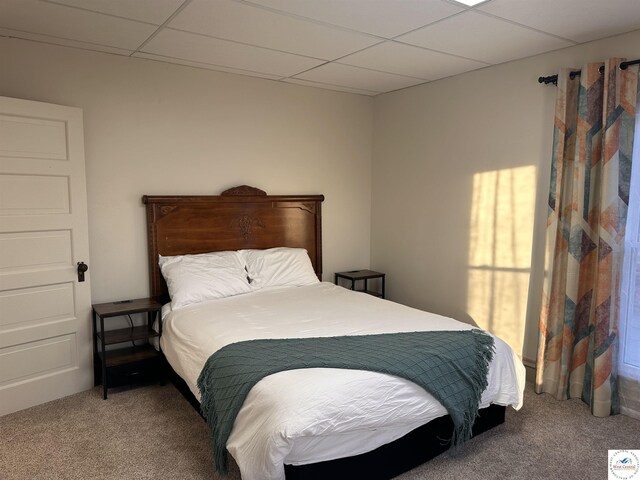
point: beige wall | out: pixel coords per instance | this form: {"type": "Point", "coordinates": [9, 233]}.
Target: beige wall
{"type": "Point", "coordinates": [460, 179]}
{"type": "Point", "coordinates": [459, 175]}
{"type": "Point", "coordinates": [153, 128]}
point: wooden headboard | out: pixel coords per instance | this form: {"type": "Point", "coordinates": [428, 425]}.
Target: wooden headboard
{"type": "Point", "coordinates": [241, 217]}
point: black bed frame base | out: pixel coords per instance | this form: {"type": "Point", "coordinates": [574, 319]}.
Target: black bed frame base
{"type": "Point", "coordinates": [390, 460]}
{"type": "Point", "coordinates": [385, 462]}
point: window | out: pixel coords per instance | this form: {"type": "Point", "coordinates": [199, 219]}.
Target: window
{"type": "Point", "coordinates": [629, 358]}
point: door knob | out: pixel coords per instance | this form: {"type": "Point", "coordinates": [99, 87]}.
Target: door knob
{"type": "Point", "coordinates": [82, 267]}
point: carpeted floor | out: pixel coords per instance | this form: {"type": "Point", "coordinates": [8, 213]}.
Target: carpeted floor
{"type": "Point", "coordinates": [152, 432]}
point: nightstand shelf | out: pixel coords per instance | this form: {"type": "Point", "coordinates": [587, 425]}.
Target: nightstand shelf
{"type": "Point", "coordinates": [123, 356]}
{"type": "Point", "coordinates": [127, 334]}
{"type": "Point", "coordinates": [113, 367]}
{"type": "Point", "coordinates": [355, 276]}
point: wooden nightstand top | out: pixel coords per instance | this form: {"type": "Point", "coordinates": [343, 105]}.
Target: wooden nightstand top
{"type": "Point", "coordinates": [126, 307]}
{"type": "Point", "coordinates": [360, 274]}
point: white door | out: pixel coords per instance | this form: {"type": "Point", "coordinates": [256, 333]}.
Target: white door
{"type": "Point", "coordinates": [45, 326]}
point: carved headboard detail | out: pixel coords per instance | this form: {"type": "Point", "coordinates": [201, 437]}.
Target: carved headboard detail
{"type": "Point", "coordinates": [243, 190]}
{"type": "Point", "coordinates": [242, 217]}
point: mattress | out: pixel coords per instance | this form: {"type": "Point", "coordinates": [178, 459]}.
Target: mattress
{"type": "Point", "coordinates": [311, 415]}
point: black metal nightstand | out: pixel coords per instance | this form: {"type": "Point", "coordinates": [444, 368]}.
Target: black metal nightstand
{"type": "Point", "coordinates": [365, 275]}
{"type": "Point", "coordinates": [117, 366]}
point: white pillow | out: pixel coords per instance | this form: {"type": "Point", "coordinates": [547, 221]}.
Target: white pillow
{"type": "Point", "coordinates": [279, 267]}
{"type": "Point", "coordinates": [197, 278]}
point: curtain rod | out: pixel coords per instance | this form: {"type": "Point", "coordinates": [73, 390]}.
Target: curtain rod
{"type": "Point", "coordinates": [554, 78]}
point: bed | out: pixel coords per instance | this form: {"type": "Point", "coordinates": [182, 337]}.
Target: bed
{"type": "Point", "coordinates": [334, 423]}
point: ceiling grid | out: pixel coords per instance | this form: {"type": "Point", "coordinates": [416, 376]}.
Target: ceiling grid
{"type": "Point", "coordinates": [359, 46]}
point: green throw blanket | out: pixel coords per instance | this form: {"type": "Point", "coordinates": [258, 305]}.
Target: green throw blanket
{"type": "Point", "coordinates": [450, 365]}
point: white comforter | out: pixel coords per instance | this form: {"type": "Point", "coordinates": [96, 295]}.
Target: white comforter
{"type": "Point", "coordinates": [311, 415]}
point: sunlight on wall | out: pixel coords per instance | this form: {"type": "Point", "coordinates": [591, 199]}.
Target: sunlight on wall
{"type": "Point", "coordinates": [501, 235]}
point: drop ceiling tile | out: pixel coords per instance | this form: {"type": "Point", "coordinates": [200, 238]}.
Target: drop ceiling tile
{"type": "Point", "coordinates": [218, 68]}
{"type": "Point", "coordinates": [6, 32]}
{"type": "Point", "coordinates": [578, 20]}
{"type": "Point", "coordinates": [73, 24]}
{"type": "Point", "coordinates": [150, 11]}
{"type": "Point", "coordinates": [386, 18]}
{"type": "Point", "coordinates": [248, 24]}
{"type": "Point", "coordinates": [200, 48]}
{"type": "Point", "coordinates": [327, 86]}
{"type": "Point", "coordinates": [360, 78]}
{"type": "Point", "coordinates": [412, 61]}
{"type": "Point", "coordinates": [483, 38]}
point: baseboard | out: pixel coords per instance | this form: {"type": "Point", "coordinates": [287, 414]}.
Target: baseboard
{"type": "Point", "coordinates": [630, 413]}
{"type": "Point", "coordinates": [530, 367]}
{"type": "Point", "coordinates": [629, 393]}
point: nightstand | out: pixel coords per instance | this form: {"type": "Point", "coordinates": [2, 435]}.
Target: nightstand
{"type": "Point", "coordinates": [363, 275]}
{"type": "Point", "coordinates": [118, 366]}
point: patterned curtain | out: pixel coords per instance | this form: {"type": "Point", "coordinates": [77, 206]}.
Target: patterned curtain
{"type": "Point", "coordinates": [588, 199]}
